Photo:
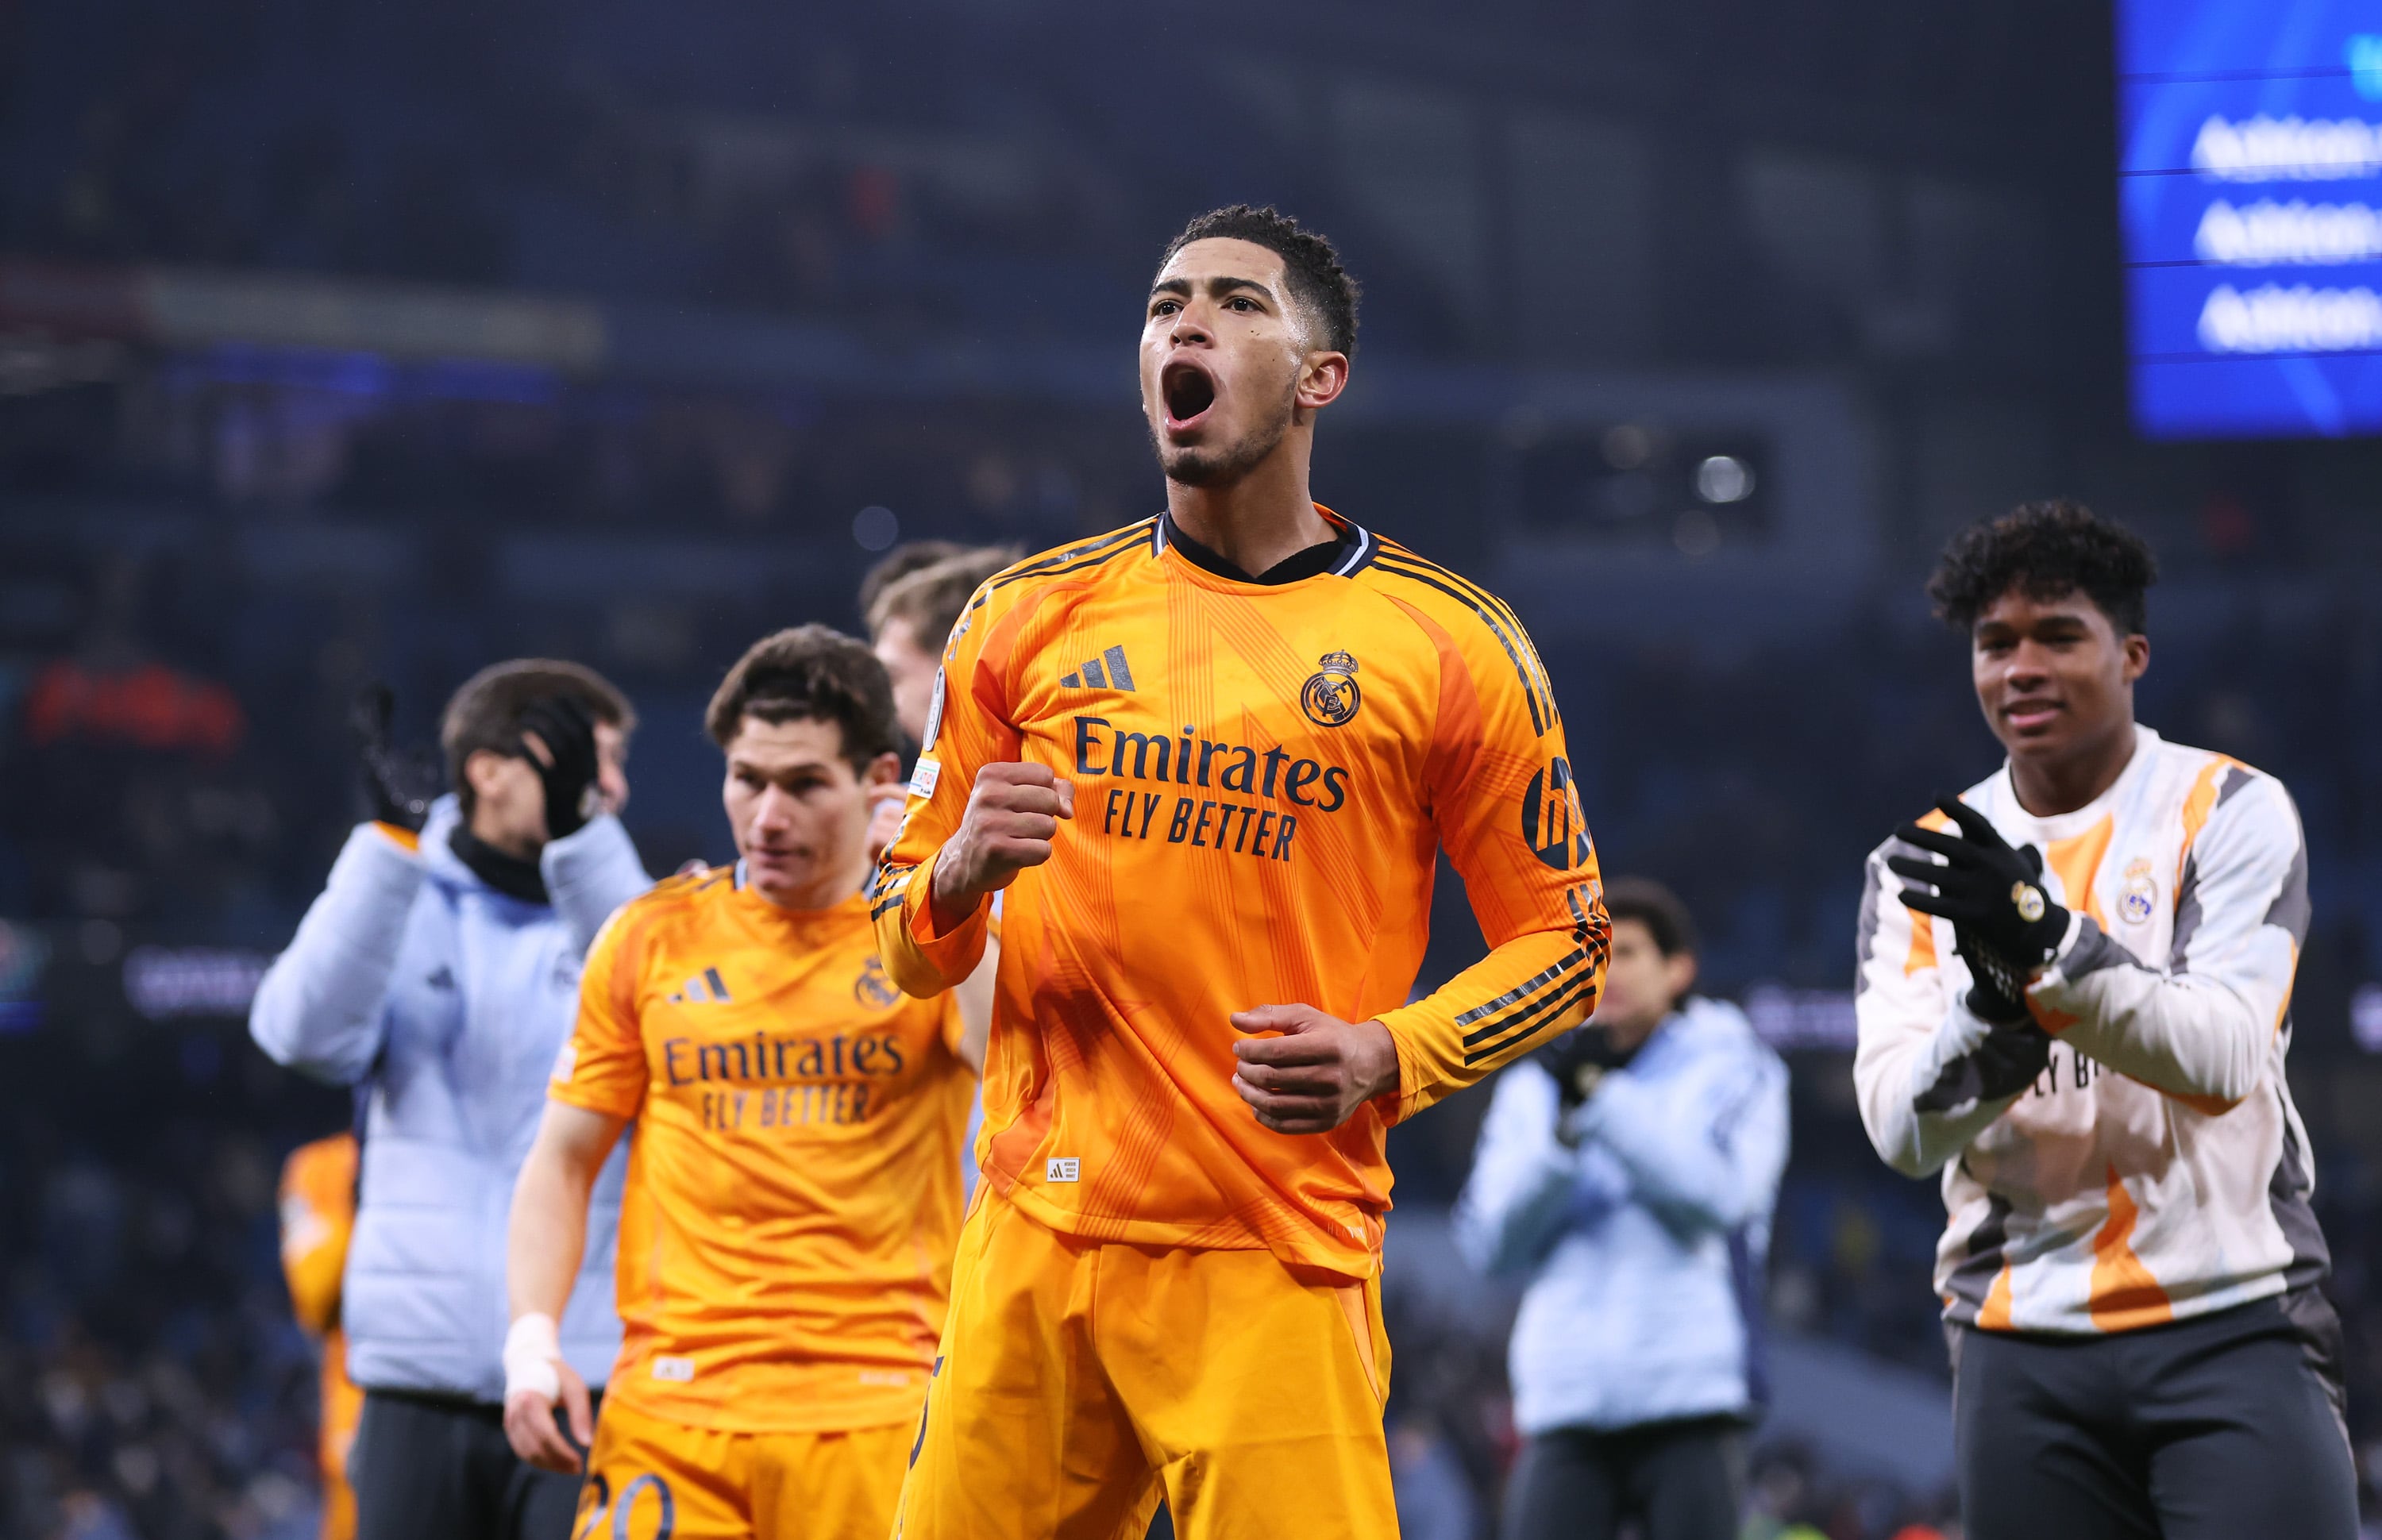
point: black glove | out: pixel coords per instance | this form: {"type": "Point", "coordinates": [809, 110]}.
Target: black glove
{"type": "Point", "coordinates": [398, 786]}
{"type": "Point", "coordinates": [2007, 925]}
{"type": "Point", "coordinates": [566, 728]}
{"type": "Point", "coordinates": [2005, 1063]}
{"type": "Point", "coordinates": [1579, 1059]}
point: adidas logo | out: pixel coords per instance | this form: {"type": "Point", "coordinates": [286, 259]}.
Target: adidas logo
{"type": "Point", "coordinates": [704, 988]}
{"type": "Point", "coordinates": [1107, 671]}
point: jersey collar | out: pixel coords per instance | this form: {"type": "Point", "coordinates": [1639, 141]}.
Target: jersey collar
{"type": "Point", "coordinates": [1350, 547]}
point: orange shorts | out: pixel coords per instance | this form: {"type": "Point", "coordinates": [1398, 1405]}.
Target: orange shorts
{"type": "Point", "coordinates": [1078, 1382]}
{"type": "Point", "coordinates": [651, 1478]}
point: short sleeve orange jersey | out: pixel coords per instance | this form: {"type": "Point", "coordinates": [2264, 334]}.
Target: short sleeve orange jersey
{"type": "Point", "coordinates": [1263, 775]}
{"type": "Point", "coordinates": [793, 1188]}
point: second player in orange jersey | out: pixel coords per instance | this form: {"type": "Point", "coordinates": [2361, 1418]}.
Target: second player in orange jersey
{"type": "Point", "coordinates": [318, 1219]}
{"type": "Point", "coordinates": [794, 1186]}
{"type": "Point", "coordinates": [1211, 759]}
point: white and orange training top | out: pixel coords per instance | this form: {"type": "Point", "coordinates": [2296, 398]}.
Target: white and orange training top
{"type": "Point", "coordinates": [2158, 1168]}
{"type": "Point", "coordinates": [1264, 774]}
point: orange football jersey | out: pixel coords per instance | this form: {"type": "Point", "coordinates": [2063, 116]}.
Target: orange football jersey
{"type": "Point", "coordinates": [1262, 775]}
{"type": "Point", "coordinates": [793, 1185]}
{"type": "Point", "coordinates": [318, 1218]}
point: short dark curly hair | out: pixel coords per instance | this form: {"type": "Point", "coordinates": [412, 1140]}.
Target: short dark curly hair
{"type": "Point", "coordinates": [814, 672]}
{"type": "Point", "coordinates": [1318, 285]}
{"type": "Point", "coordinates": [2045, 550]}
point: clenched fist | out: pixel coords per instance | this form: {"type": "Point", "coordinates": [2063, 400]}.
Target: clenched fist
{"type": "Point", "coordinates": [1013, 814]}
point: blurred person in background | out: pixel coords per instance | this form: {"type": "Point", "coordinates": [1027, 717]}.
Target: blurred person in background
{"type": "Point", "coordinates": [909, 621]}
{"type": "Point", "coordinates": [318, 1217]}
{"type": "Point", "coordinates": [912, 618]}
{"type": "Point", "coordinates": [1628, 1171]}
{"type": "Point", "coordinates": [793, 1195]}
{"type": "Point", "coordinates": [910, 556]}
{"type": "Point", "coordinates": [2074, 1001]}
{"type": "Point", "coordinates": [438, 972]}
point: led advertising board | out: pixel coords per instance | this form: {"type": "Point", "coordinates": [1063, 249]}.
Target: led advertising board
{"type": "Point", "coordinates": [2250, 204]}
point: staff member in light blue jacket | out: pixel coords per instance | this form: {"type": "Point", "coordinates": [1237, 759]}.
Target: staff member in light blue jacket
{"type": "Point", "coordinates": [1628, 1171]}
{"type": "Point", "coordinates": [440, 971]}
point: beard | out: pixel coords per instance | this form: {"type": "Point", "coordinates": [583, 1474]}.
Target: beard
{"type": "Point", "coordinates": [1222, 465]}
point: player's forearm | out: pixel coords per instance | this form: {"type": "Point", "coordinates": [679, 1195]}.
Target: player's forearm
{"type": "Point", "coordinates": [547, 1236]}
{"type": "Point", "coordinates": [1673, 1155]}
{"type": "Point", "coordinates": [591, 872]}
{"type": "Point", "coordinates": [1513, 1205]}
{"type": "Point", "coordinates": [925, 954]}
{"type": "Point", "coordinates": [2191, 1034]}
{"type": "Point", "coordinates": [318, 1008]}
{"type": "Point", "coordinates": [1915, 1105]}
{"type": "Point", "coordinates": [1525, 994]}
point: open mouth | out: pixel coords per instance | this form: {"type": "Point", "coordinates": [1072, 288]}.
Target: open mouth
{"type": "Point", "coordinates": [1188, 392]}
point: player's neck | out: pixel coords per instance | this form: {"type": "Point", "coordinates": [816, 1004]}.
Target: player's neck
{"type": "Point", "coordinates": [2048, 788]}
{"type": "Point", "coordinates": [1257, 521]}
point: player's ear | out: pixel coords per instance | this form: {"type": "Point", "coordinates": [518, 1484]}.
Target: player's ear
{"type": "Point", "coordinates": [483, 771]}
{"type": "Point", "coordinates": [884, 770]}
{"type": "Point", "coordinates": [1323, 375]}
{"type": "Point", "coordinates": [2138, 656]}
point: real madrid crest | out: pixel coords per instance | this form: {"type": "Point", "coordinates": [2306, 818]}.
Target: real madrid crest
{"type": "Point", "coordinates": [1331, 697]}
{"type": "Point", "coordinates": [2139, 899]}
{"type": "Point", "coordinates": [874, 986]}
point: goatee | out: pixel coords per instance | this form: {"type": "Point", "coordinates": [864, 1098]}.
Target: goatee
{"type": "Point", "coordinates": [1223, 467]}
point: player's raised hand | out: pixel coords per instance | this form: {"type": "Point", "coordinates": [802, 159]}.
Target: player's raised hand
{"type": "Point", "coordinates": [558, 740]}
{"type": "Point", "coordinates": [536, 1379]}
{"type": "Point", "coordinates": [1013, 814]}
{"type": "Point", "coordinates": [399, 787]}
{"type": "Point", "coordinates": [1315, 1075]}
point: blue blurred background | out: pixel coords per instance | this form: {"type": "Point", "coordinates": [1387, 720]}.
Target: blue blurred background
{"type": "Point", "coordinates": [344, 341]}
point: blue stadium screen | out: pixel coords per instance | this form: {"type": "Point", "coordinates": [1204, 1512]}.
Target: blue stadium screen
{"type": "Point", "coordinates": [2250, 203]}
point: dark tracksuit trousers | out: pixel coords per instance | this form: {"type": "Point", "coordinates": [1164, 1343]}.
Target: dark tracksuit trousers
{"type": "Point", "coordinates": [439, 1468]}
{"type": "Point", "coordinates": [2221, 1427]}
{"type": "Point", "coordinates": [1680, 1481]}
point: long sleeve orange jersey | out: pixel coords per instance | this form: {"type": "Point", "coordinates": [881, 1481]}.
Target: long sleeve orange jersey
{"type": "Point", "coordinates": [1263, 773]}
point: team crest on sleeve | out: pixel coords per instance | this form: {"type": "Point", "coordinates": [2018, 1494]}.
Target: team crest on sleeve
{"type": "Point", "coordinates": [874, 986]}
{"type": "Point", "coordinates": [1331, 697]}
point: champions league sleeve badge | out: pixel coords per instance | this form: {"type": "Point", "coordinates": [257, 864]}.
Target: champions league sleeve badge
{"type": "Point", "coordinates": [1329, 697]}
{"type": "Point", "coordinates": [934, 716]}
